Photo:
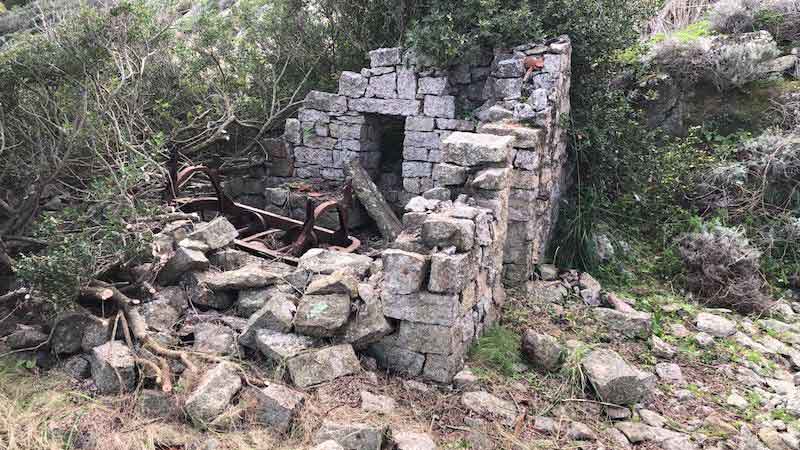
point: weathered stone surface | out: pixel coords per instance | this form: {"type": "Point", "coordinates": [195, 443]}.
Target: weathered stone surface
{"type": "Point", "coordinates": [662, 349]}
{"type": "Point", "coordinates": [426, 338]}
{"type": "Point", "coordinates": [322, 315]}
{"type": "Point", "coordinates": [379, 404]}
{"type": "Point", "coordinates": [449, 175]}
{"type": "Point", "coordinates": [424, 307]}
{"type": "Point", "coordinates": [419, 123]}
{"type": "Point", "coordinates": [406, 83]}
{"type": "Point", "coordinates": [383, 86]}
{"type": "Point", "coordinates": [405, 440]}
{"type": "Point", "coordinates": [351, 436]}
{"type": "Point", "coordinates": [210, 236]}
{"type": "Point", "coordinates": [432, 86]}
{"type": "Point", "coordinates": [292, 131]}
{"type": "Point", "coordinates": [156, 404]}
{"type": "Point", "coordinates": [319, 366]}
{"type": "Point", "coordinates": [384, 57]}
{"type": "Point", "coordinates": [78, 367]}
{"type": "Point", "coordinates": [404, 272]}
{"type": "Point", "coordinates": [578, 431]}
{"type": "Point", "coordinates": [715, 325]}
{"type": "Point", "coordinates": [159, 315]}
{"type": "Point", "coordinates": [251, 300]}
{"type": "Point", "coordinates": [638, 432]}
{"type": "Point", "coordinates": [275, 406]}
{"type": "Point", "coordinates": [509, 68]}
{"type": "Point", "coordinates": [542, 350]}
{"type": "Point", "coordinates": [213, 393]}
{"type": "Point", "coordinates": [369, 323]}
{"type": "Point", "coordinates": [472, 149]}
{"type": "Point", "coordinates": [113, 368]}
{"type": "Point", "coordinates": [451, 273]}
{"type": "Point", "coordinates": [395, 358]}
{"type": "Point", "coordinates": [97, 332]}
{"type": "Point", "coordinates": [492, 179]}
{"type": "Point", "coordinates": [328, 445]}
{"type": "Point", "coordinates": [281, 346]}
{"type": "Point", "coordinates": [26, 337]}
{"type": "Point", "coordinates": [670, 372]}
{"type": "Point", "coordinates": [613, 379]}
{"type": "Point", "coordinates": [440, 106]}
{"type": "Point", "coordinates": [386, 106]}
{"type": "Point", "coordinates": [325, 261]}
{"type": "Point", "coordinates": [247, 277]}
{"type": "Point", "coordinates": [590, 289]}
{"type": "Point", "coordinates": [276, 315]}
{"type": "Point", "coordinates": [442, 231]}
{"type": "Point", "coordinates": [183, 260]}
{"type": "Point", "coordinates": [67, 333]}
{"type": "Point", "coordinates": [214, 338]}
{"type": "Point", "coordinates": [633, 324]}
{"type": "Point", "coordinates": [465, 379]}
{"type": "Point", "coordinates": [508, 88]}
{"type": "Point", "coordinates": [352, 84]}
{"type": "Point", "coordinates": [486, 404]}
{"type": "Point", "coordinates": [324, 101]}
{"type": "Point", "coordinates": [201, 295]}
{"type": "Point", "coordinates": [339, 282]}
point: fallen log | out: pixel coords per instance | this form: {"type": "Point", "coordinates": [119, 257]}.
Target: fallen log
{"type": "Point", "coordinates": [376, 205]}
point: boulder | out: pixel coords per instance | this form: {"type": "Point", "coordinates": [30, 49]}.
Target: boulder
{"type": "Point", "coordinates": [210, 236]}
{"type": "Point", "coordinates": [154, 403]}
{"type": "Point", "coordinates": [542, 350]}
{"type": "Point", "coordinates": [404, 271]}
{"type": "Point", "coordinates": [67, 334]}
{"type": "Point", "coordinates": [279, 347]}
{"type": "Point", "coordinates": [276, 315]}
{"type": "Point", "coordinates": [351, 436]}
{"type": "Point", "coordinates": [629, 324]}
{"type": "Point", "coordinates": [670, 373]}
{"type": "Point", "coordinates": [339, 282]}
{"type": "Point", "coordinates": [213, 393]}
{"type": "Point", "coordinates": [319, 366]}
{"type": "Point", "coordinates": [160, 314]}
{"type": "Point", "coordinates": [215, 339]}
{"type": "Point", "coordinates": [613, 379]}
{"type": "Point", "coordinates": [486, 404]}
{"type": "Point", "coordinates": [113, 368]}
{"type": "Point", "coordinates": [379, 404]}
{"type": "Point", "coordinates": [322, 315]}
{"type": "Point", "coordinates": [275, 406]}
{"type": "Point", "coordinates": [406, 440]}
{"type": "Point", "coordinates": [715, 325]}
{"type": "Point", "coordinates": [369, 324]}
{"type": "Point", "coordinates": [200, 294]}
{"type": "Point", "coordinates": [183, 260]}
{"type": "Point", "coordinates": [26, 337]}
{"type": "Point", "coordinates": [248, 277]}
{"type": "Point", "coordinates": [326, 262]}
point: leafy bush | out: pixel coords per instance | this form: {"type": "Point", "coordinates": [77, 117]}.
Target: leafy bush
{"type": "Point", "coordinates": [781, 18]}
{"type": "Point", "coordinates": [723, 269]}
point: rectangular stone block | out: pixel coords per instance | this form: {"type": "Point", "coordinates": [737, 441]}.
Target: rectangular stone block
{"type": "Point", "coordinates": [422, 139]}
{"type": "Point", "coordinates": [455, 124]}
{"type": "Point", "coordinates": [384, 57]}
{"type": "Point", "coordinates": [449, 175]}
{"type": "Point", "coordinates": [415, 154]}
{"type": "Point", "coordinates": [423, 307]}
{"type": "Point", "coordinates": [316, 156]}
{"type": "Point", "coordinates": [352, 84]}
{"type": "Point", "coordinates": [383, 86]}
{"type": "Point", "coordinates": [346, 130]}
{"type": "Point", "coordinates": [451, 273]}
{"type": "Point", "coordinates": [292, 131]}
{"type": "Point", "coordinates": [417, 185]}
{"type": "Point", "coordinates": [395, 358]}
{"type": "Point", "coordinates": [472, 149]}
{"type": "Point", "coordinates": [432, 86]}
{"type": "Point", "coordinates": [426, 338]}
{"type": "Point", "coordinates": [313, 116]}
{"type": "Point", "coordinates": [440, 106]}
{"type": "Point", "coordinates": [325, 101]}
{"type": "Point", "coordinates": [397, 107]}
{"type": "Point", "coordinates": [419, 123]}
{"type": "Point", "coordinates": [524, 179]}
{"type": "Point", "coordinates": [406, 83]}
{"type": "Point", "coordinates": [404, 272]}
{"type": "Point", "coordinates": [524, 137]}
{"type": "Point", "coordinates": [416, 169]}
{"type": "Point", "coordinates": [315, 141]}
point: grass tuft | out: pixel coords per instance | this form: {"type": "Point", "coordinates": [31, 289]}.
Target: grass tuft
{"type": "Point", "coordinates": [498, 349]}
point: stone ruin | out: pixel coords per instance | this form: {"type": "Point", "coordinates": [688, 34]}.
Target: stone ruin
{"type": "Point", "coordinates": [473, 157]}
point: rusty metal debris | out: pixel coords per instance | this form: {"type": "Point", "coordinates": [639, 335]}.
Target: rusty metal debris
{"type": "Point", "coordinates": [259, 230]}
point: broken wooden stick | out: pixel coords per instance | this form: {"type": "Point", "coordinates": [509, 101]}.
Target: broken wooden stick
{"type": "Point", "coordinates": [376, 205]}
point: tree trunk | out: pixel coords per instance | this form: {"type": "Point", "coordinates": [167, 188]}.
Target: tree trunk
{"type": "Point", "coordinates": [374, 202]}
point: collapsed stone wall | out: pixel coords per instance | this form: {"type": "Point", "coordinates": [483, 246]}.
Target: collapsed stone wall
{"type": "Point", "coordinates": [521, 92]}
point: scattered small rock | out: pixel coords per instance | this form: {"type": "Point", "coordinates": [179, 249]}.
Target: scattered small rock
{"type": "Point", "coordinates": [377, 403]}
{"type": "Point", "coordinates": [714, 325]}
{"type": "Point", "coordinates": [737, 401]}
{"type": "Point", "coordinates": [542, 350]}
{"type": "Point", "coordinates": [405, 440]}
{"type": "Point", "coordinates": [484, 403]}
{"type": "Point", "coordinates": [613, 379]}
{"type": "Point", "coordinates": [113, 368]}
{"type": "Point", "coordinates": [213, 393]}
{"type": "Point", "coordinates": [351, 436]}
{"type": "Point", "coordinates": [661, 348]}
{"type": "Point", "coordinates": [578, 431]}
{"type": "Point", "coordinates": [670, 373]}
{"type": "Point", "coordinates": [704, 340]}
